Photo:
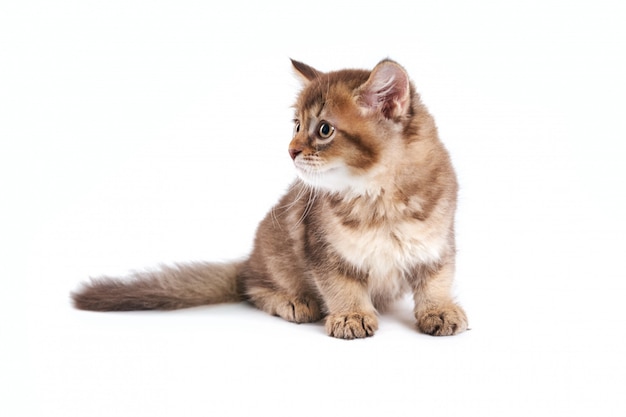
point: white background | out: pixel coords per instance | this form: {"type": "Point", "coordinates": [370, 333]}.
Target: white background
{"type": "Point", "coordinates": [139, 132]}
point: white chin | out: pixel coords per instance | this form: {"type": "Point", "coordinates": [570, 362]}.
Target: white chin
{"type": "Point", "coordinates": [335, 180]}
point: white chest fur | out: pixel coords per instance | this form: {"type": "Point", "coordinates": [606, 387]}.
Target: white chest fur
{"type": "Point", "coordinates": [387, 250]}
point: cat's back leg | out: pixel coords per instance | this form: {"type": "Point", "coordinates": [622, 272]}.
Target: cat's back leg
{"type": "Point", "coordinates": [280, 293]}
{"type": "Point", "coordinates": [300, 308]}
{"type": "Point", "coordinates": [274, 278]}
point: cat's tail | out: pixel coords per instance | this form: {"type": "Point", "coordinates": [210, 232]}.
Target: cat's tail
{"type": "Point", "coordinates": [168, 288]}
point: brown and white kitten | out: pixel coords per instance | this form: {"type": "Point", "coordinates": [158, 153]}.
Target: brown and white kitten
{"type": "Point", "coordinates": [370, 218]}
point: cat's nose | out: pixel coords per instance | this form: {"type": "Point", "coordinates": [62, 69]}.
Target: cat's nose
{"type": "Point", "coordinates": [293, 152]}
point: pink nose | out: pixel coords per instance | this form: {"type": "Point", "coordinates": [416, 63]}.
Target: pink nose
{"type": "Point", "coordinates": [293, 152]}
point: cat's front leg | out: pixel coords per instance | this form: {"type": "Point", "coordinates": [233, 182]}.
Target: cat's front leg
{"type": "Point", "coordinates": [435, 311]}
{"type": "Point", "coordinates": [351, 314]}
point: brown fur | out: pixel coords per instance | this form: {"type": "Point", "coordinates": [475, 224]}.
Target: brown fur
{"type": "Point", "coordinates": [371, 217]}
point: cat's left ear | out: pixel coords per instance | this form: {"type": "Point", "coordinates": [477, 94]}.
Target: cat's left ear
{"type": "Point", "coordinates": [387, 90]}
{"type": "Point", "coordinates": [305, 72]}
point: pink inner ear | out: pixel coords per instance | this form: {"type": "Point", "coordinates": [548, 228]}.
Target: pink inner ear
{"type": "Point", "coordinates": [387, 90]}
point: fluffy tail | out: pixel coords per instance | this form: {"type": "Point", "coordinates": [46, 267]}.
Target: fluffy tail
{"type": "Point", "coordinates": [169, 288]}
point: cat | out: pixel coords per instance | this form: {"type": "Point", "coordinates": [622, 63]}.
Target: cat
{"type": "Point", "coordinates": [369, 218]}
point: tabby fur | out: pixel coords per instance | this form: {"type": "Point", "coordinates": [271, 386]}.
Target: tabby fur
{"type": "Point", "coordinates": [370, 218]}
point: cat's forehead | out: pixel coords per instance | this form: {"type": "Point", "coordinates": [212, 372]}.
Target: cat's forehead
{"type": "Point", "coordinates": [329, 89]}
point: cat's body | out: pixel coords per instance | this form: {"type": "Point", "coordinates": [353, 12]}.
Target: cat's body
{"type": "Point", "coordinates": [370, 218]}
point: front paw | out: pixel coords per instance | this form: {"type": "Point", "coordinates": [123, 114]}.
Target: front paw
{"type": "Point", "coordinates": [442, 320]}
{"type": "Point", "coordinates": [351, 325]}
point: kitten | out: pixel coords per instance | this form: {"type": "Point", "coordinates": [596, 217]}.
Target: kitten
{"type": "Point", "coordinates": [370, 217]}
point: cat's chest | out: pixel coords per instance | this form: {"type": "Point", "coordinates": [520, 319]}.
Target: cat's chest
{"type": "Point", "coordinates": [385, 247]}
{"type": "Point", "coordinates": [383, 241]}
{"type": "Point", "coordinates": [386, 252]}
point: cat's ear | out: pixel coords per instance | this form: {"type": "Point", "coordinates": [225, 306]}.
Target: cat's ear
{"type": "Point", "coordinates": [305, 72]}
{"type": "Point", "coordinates": [387, 90]}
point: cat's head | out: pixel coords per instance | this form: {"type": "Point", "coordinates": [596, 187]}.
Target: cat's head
{"type": "Point", "coordinates": [348, 124]}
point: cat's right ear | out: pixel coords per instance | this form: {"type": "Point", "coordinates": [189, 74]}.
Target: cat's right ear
{"type": "Point", "coordinates": [305, 72]}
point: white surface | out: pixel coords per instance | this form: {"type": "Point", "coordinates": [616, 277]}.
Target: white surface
{"type": "Point", "coordinates": [139, 132]}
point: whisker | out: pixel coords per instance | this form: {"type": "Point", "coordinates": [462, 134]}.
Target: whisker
{"type": "Point", "coordinates": [289, 206]}
{"type": "Point", "coordinates": [307, 208]}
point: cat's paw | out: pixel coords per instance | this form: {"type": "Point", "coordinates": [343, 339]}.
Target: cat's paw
{"type": "Point", "coordinates": [300, 310]}
{"type": "Point", "coordinates": [351, 325]}
{"type": "Point", "coordinates": [442, 321]}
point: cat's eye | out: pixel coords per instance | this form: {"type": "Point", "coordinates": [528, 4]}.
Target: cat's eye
{"type": "Point", "coordinates": [296, 127]}
{"type": "Point", "coordinates": [325, 130]}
